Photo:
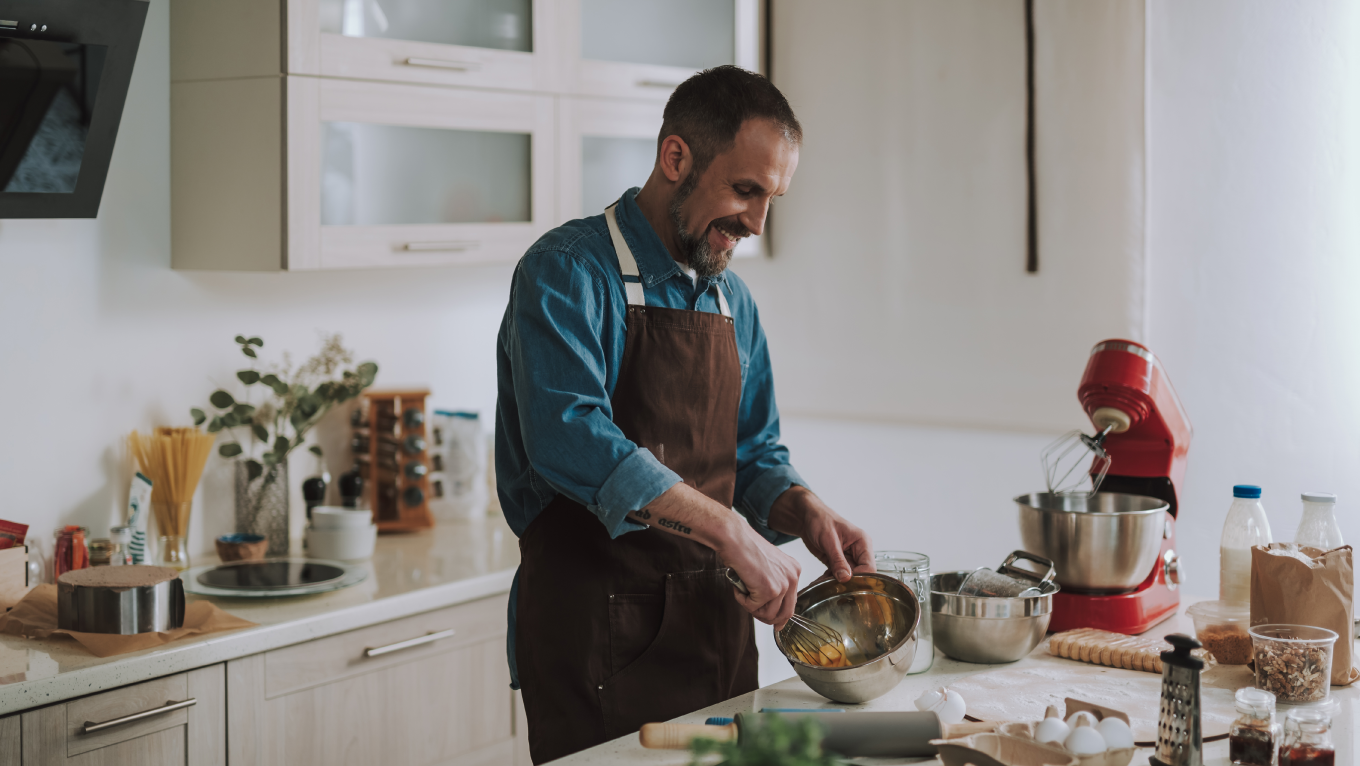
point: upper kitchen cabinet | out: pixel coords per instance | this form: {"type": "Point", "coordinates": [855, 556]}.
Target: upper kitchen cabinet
{"type": "Point", "coordinates": [505, 44]}
{"type": "Point", "coordinates": [304, 173]}
{"type": "Point", "coordinates": [644, 48]}
{"type": "Point", "coordinates": [606, 146]}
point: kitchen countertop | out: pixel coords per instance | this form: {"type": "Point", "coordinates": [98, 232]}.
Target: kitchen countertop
{"type": "Point", "coordinates": [793, 693]}
{"type": "Point", "coordinates": [409, 574]}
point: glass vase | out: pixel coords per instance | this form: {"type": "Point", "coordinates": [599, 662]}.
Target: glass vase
{"type": "Point", "coordinates": [172, 525]}
{"type": "Point", "coordinates": [173, 551]}
{"type": "Point", "coordinates": [262, 505]}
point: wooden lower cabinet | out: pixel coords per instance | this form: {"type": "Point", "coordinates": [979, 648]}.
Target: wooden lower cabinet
{"type": "Point", "coordinates": [186, 736]}
{"type": "Point", "coordinates": [423, 690]}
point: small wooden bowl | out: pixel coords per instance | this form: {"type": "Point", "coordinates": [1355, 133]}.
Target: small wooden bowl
{"type": "Point", "coordinates": [241, 547]}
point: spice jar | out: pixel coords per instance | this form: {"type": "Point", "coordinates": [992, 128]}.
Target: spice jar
{"type": "Point", "coordinates": [1308, 738]}
{"type": "Point", "coordinates": [1254, 735]}
{"type": "Point", "coordinates": [70, 551]}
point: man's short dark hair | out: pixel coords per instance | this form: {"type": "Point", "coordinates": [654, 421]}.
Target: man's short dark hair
{"type": "Point", "coordinates": [709, 108]}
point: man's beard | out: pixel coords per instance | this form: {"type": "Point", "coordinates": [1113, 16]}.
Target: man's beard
{"type": "Point", "coordinates": [695, 248]}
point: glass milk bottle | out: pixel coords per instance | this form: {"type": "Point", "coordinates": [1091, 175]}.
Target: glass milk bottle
{"type": "Point", "coordinates": [1319, 529]}
{"type": "Point", "coordinates": [1246, 526]}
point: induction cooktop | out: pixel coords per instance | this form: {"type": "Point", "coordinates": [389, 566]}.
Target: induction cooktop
{"type": "Point", "coordinates": [272, 577]}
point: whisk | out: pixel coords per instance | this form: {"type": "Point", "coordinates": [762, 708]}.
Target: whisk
{"type": "Point", "coordinates": [1074, 459]}
{"type": "Point", "coordinates": [809, 641]}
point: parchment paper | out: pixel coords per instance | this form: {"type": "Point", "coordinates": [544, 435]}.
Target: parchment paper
{"type": "Point", "coordinates": [35, 616]}
{"type": "Point", "coordinates": [1022, 694]}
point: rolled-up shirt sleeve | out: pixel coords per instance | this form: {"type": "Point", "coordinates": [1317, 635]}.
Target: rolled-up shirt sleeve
{"type": "Point", "coordinates": [558, 363]}
{"type": "Point", "coordinates": [763, 469]}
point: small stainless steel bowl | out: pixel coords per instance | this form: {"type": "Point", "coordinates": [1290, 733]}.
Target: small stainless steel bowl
{"type": "Point", "coordinates": [987, 630]}
{"type": "Point", "coordinates": [878, 616]}
{"type": "Point", "coordinates": [1102, 543]}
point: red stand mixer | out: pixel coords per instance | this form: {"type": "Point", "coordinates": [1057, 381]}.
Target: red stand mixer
{"type": "Point", "coordinates": [1113, 541]}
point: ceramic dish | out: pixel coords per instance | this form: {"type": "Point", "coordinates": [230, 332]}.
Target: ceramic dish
{"type": "Point", "coordinates": [349, 575]}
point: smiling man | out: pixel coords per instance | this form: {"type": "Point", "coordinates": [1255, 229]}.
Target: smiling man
{"type": "Point", "coordinates": [637, 438]}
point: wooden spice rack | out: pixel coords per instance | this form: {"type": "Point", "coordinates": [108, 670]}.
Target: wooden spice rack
{"type": "Point", "coordinates": [391, 452]}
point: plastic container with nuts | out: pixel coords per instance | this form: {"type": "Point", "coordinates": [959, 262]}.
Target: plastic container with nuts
{"type": "Point", "coordinates": [1222, 627]}
{"type": "Point", "coordinates": [1293, 662]}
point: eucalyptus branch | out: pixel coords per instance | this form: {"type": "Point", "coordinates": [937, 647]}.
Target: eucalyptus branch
{"type": "Point", "coordinates": [300, 403]}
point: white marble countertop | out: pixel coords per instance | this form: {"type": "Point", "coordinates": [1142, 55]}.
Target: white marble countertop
{"type": "Point", "coordinates": [793, 693]}
{"type": "Point", "coordinates": [409, 574]}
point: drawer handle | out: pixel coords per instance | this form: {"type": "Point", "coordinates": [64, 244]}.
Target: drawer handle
{"type": "Point", "coordinates": [91, 727]}
{"type": "Point", "coordinates": [441, 247]}
{"type": "Point", "coordinates": [657, 84]}
{"type": "Point", "coordinates": [456, 66]}
{"type": "Point", "coordinates": [429, 638]}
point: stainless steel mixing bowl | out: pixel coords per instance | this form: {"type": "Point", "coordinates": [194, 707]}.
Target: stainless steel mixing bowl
{"type": "Point", "coordinates": [878, 617]}
{"type": "Point", "coordinates": [987, 630]}
{"type": "Point", "coordinates": [1102, 543]}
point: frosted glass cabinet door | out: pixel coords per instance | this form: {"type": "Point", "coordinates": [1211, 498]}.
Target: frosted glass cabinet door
{"type": "Point", "coordinates": [390, 175]}
{"type": "Point", "coordinates": [606, 147]}
{"type": "Point", "coordinates": [485, 43]}
{"type": "Point", "coordinates": [644, 48]}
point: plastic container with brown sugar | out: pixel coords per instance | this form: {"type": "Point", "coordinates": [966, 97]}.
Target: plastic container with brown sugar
{"type": "Point", "coordinates": [1222, 627]}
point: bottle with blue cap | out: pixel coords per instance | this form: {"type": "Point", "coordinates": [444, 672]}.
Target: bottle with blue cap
{"type": "Point", "coordinates": [1319, 529]}
{"type": "Point", "coordinates": [1245, 527]}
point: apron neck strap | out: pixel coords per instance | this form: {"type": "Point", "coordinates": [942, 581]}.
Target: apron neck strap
{"type": "Point", "coordinates": [628, 266]}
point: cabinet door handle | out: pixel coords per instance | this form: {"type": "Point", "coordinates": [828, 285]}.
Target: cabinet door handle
{"type": "Point", "coordinates": [91, 727]}
{"type": "Point", "coordinates": [441, 247]}
{"type": "Point", "coordinates": [657, 84]}
{"type": "Point", "coordinates": [428, 638]}
{"type": "Point", "coordinates": [456, 66]}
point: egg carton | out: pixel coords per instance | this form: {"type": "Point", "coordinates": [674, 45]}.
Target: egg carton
{"type": "Point", "coordinates": [1001, 750]}
{"type": "Point", "coordinates": [1119, 757]}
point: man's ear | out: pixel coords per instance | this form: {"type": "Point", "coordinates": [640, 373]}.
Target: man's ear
{"type": "Point", "coordinates": [674, 158]}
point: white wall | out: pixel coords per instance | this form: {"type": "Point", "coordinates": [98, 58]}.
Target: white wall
{"type": "Point", "coordinates": [1255, 242]}
{"type": "Point", "coordinates": [898, 289]}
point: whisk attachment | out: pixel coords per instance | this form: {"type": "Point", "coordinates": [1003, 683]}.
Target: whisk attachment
{"type": "Point", "coordinates": [813, 643]}
{"type": "Point", "coordinates": [1076, 459]}
{"type": "Point", "coordinates": [808, 641]}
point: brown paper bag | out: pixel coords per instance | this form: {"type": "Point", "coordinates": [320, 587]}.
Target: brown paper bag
{"type": "Point", "coordinates": [1286, 589]}
{"type": "Point", "coordinates": [36, 617]}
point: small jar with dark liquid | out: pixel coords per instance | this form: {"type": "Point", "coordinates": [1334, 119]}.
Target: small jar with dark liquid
{"type": "Point", "coordinates": [1254, 736]}
{"type": "Point", "coordinates": [1308, 738]}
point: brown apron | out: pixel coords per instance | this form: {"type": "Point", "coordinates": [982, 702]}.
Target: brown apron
{"type": "Point", "coordinates": [615, 633]}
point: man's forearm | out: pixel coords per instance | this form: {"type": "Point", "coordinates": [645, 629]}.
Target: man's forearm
{"type": "Point", "coordinates": [685, 511]}
{"type": "Point", "coordinates": [787, 511]}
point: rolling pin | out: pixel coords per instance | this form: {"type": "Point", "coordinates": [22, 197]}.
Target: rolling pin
{"type": "Point", "coordinates": [853, 735]}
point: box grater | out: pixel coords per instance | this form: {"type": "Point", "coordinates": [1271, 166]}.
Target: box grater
{"type": "Point", "coordinates": [1179, 738]}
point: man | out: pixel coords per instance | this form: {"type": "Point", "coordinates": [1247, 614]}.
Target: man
{"type": "Point", "coordinates": [636, 410]}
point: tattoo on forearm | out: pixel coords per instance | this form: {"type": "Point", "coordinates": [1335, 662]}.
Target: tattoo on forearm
{"type": "Point", "coordinates": [643, 514]}
{"type": "Point", "coordinates": [677, 526]}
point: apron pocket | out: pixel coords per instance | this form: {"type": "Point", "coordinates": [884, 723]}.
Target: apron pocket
{"type": "Point", "coordinates": [634, 623]}
{"type": "Point", "coordinates": [688, 664]}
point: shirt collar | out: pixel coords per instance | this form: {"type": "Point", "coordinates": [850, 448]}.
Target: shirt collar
{"type": "Point", "coordinates": [655, 264]}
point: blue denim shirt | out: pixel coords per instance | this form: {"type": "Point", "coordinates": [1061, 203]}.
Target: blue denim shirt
{"type": "Point", "coordinates": [557, 361]}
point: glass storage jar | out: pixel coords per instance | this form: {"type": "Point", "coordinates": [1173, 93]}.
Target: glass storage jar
{"type": "Point", "coordinates": [1308, 737]}
{"type": "Point", "coordinates": [913, 569]}
{"type": "Point", "coordinates": [1254, 735]}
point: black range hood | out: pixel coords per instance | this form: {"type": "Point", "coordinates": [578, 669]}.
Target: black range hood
{"type": "Point", "coordinates": [65, 66]}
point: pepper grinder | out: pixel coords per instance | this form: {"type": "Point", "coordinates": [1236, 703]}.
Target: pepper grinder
{"type": "Point", "coordinates": [1180, 740]}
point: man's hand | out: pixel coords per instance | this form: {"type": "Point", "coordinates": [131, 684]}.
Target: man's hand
{"type": "Point", "coordinates": [770, 575]}
{"type": "Point", "coordinates": [840, 545]}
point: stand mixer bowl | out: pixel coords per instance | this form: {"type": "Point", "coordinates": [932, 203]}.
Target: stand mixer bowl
{"type": "Point", "coordinates": [1104, 543]}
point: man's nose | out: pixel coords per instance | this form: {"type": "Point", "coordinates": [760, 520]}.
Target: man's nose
{"type": "Point", "coordinates": [753, 218]}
